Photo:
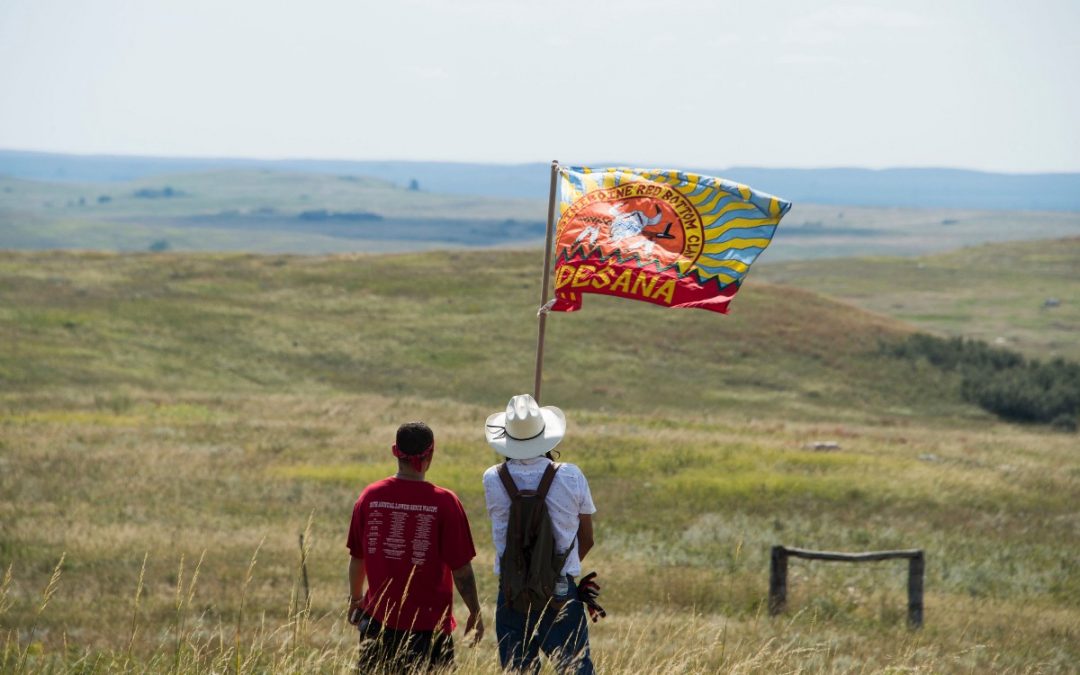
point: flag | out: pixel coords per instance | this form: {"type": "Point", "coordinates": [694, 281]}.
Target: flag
{"type": "Point", "coordinates": [667, 237]}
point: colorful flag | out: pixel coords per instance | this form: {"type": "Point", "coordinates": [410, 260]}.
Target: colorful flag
{"type": "Point", "coordinates": [667, 237]}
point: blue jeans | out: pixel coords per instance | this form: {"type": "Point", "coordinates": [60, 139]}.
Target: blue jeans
{"type": "Point", "coordinates": [561, 634]}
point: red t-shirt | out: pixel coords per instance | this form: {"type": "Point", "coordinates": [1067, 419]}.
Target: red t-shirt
{"type": "Point", "coordinates": [410, 534]}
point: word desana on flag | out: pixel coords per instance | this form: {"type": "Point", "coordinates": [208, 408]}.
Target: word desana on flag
{"type": "Point", "coordinates": [667, 237]}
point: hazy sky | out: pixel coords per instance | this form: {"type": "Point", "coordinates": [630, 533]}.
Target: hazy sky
{"type": "Point", "coordinates": [989, 84]}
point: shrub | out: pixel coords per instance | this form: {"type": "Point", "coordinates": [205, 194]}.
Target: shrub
{"type": "Point", "coordinates": [1003, 382]}
{"type": "Point", "coordinates": [1065, 423]}
{"type": "Point", "coordinates": [952, 353]}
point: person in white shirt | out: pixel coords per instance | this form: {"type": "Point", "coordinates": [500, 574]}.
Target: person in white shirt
{"type": "Point", "coordinates": [526, 434]}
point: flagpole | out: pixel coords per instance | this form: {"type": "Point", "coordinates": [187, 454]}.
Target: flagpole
{"type": "Point", "coordinates": [542, 314]}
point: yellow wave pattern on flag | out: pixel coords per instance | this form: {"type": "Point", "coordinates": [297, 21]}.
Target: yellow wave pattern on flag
{"type": "Point", "coordinates": [737, 222]}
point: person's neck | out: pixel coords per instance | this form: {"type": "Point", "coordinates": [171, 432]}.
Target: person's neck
{"type": "Point", "coordinates": [406, 473]}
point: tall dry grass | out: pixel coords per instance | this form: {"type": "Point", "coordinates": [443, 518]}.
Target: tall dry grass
{"type": "Point", "coordinates": [126, 494]}
{"type": "Point", "coordinates": [661, 640]}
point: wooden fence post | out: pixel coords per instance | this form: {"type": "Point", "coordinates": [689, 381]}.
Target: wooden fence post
{"type": "Point", "coordinates": [777, 580]}
{"type": "Point", "coordinates": [916, 571]}
{"type": "Point", "coordinates": [916, 568]}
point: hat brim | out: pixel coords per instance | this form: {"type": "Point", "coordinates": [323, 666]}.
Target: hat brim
{"type": "Point", "coordinates": [511, 448]}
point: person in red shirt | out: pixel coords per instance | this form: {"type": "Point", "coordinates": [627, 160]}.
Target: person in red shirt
{"type": "Point", "coordinates": [410, 541]}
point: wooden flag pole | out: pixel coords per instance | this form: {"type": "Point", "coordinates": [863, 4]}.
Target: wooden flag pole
{"type": "Point", "coordinates": [542, 314]}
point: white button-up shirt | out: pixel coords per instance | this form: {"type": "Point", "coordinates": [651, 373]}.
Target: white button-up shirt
{"type": "Point", "coordinates": [568, 498]}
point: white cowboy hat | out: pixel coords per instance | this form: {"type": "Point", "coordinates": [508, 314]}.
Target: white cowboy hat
{"type": "Point", "coordinates": [525, 430]}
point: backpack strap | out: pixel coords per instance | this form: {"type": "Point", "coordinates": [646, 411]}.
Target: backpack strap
{"type": "Point", "coordinates": [547, 480]}
{"type": "Point", "coordinates": [508, 482]}
{"type": "Point", "coordinates": [541, 491]}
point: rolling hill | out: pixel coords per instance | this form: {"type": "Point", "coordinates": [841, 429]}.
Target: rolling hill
{"type": "Point", "coordinates": [336, 324]}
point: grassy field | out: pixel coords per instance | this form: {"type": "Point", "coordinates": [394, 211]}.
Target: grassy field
{"type": "Point", "coordinates": [813, 231]}
{"type": "Point", "coordinates": [998, 293]}
{"type": "Point", "coordinates": [170, 424]}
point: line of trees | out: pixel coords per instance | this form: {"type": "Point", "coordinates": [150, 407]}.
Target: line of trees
{"type": "Point", "coordinates": [319, 215]}
{"type": "Point", "coordinates": [1002, 381]}
{"type": "Point", "coordinates": [153, 193]}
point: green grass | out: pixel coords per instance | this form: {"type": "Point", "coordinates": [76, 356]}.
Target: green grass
{"type": "Point", "coordinates": [813, 231]}
{"type": "Point", "coordinates": [441, 325]}
{"type": "Point", "coordinates": [995, 293]}
{"type": "Point", "coordinates": [186, 406]}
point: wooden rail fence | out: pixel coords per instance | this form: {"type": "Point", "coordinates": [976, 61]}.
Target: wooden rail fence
{"type": "Point", "coordinates": [916, 568]}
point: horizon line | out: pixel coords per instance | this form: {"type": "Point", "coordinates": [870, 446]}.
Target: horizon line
{"type": "Point", "coordinates": [294, 158]}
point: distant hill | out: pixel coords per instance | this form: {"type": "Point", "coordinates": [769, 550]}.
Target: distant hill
{"type": "Point", "coordinates": [276, 211]}
{"type": "Point", "coordinates": [251, 210]}
{"type": "Point", "coordinates": [919, 188]}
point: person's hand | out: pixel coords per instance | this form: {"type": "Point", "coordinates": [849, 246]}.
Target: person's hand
{"type": "Point", "coordinates": [356, 611]}
{"type": "Point", "coordinates": [475, 625]}
{"type": "Point", "coordinates": [587, 591]}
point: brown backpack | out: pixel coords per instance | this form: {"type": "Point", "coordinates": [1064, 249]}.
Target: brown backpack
{"type": "Point", "coordinates": [531, 563]}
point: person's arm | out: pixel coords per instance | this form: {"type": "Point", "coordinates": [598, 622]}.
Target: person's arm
{"type": "Point", "coordinates": [465, 582]}
{"type": "Point", "coordinates": [584, 535]}
{"type": "Point", "coordinates": [356, 587]}
{"type": "Point", "coordinates": [498, 508]}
